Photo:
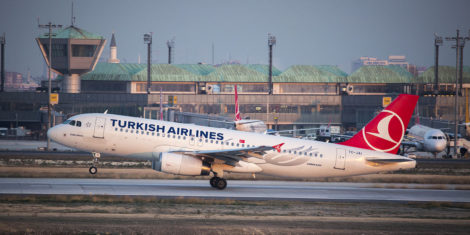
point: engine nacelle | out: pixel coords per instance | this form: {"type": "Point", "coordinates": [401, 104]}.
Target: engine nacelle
{"type": "Point", "coordinates": [181, 165]}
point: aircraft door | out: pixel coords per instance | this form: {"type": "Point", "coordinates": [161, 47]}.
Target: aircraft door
{"type": "Point", "coordinates": [99, 127]}
{"type": "Point", "coordinates": [340, 162]}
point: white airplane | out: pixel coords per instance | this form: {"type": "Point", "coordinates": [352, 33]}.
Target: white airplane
{"type": "Point", "coordinates": [187, 149]}
{"type": "Point", "coordinates": [248, 125]}
{"type": "Point", "coordinates": [426, 139]}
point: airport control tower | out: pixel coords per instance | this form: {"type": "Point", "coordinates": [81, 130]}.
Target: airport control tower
{"type": "Point", "coordinates": [74, 52]}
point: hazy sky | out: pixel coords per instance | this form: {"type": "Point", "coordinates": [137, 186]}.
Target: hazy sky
{"type": "Point", "coordinates": [329, 32]}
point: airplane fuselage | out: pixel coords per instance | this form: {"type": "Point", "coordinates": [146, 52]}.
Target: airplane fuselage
{"type": "Point", "coordinates": [146, 139]}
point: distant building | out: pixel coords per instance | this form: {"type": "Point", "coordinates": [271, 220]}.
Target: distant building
{"type": "Point", "coordinates": [13, 80]}
{"type": "Point", "coordinates": [365, 60]}
{"type": "Point", "coordinates": [397, 60]}
{"type": "Point", "coordinates": [113, 51]}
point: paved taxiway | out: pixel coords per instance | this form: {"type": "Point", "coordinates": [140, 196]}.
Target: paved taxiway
{"type": "Point", "coordinates": [283, 190]}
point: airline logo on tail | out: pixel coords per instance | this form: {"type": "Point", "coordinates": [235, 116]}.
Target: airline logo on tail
{"type": "Point", "coordinates": [237, 109]}
{"type": "Point", "coordinates": [385, 132]}
{"type": "Point", "coordinates": [379, 135]}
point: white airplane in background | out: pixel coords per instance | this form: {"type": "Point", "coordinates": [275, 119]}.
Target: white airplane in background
{"type": "Point", "coordinates": [248, 125]}
{"type": "Point", "coordinates": [426, 139]}
{"type": "Point", "coordinates": [187, 149]}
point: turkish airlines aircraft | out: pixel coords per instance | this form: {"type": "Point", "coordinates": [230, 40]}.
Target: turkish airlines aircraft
{"type": "Point", "coordinates": [248, 125]}
{"type": "Point", "coordinates": [187, 149]}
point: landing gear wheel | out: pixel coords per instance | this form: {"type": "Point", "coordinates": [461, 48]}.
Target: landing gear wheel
{"type": "Point", "coordinates": [93, 170]}
{"type": "Point", "coordinates": [213, 181]}
{"type": "Point", "coordinates": [220, 183]}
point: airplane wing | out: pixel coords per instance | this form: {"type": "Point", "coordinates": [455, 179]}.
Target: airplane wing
{"type": "Point", "coordinates": [409, 143]}
{"type": "Point", "coordinates": [232, 156]}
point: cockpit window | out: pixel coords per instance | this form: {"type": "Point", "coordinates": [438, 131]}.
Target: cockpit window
{"type": "Point", "coordinates": [73, 123]}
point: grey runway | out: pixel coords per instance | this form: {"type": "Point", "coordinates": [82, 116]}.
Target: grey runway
{"type": "Point", "coordinates": [257, 190]}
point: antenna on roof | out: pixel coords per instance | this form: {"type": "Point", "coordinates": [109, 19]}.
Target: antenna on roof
{"type": "Point", "coordinates": [73, 17]}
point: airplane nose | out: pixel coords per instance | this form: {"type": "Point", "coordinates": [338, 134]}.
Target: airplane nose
{"type": "Point", "coordinates": [52, 133]}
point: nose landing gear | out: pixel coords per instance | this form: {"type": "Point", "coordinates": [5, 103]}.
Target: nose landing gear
{"type": "Point", "coordinates": [93, 170]}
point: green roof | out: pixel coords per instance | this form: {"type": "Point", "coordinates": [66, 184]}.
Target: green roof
{"type": "Point", "coordinates": [73, 33]}
{"type": "Point", "coordinates": [264, 69]}
{"type": "Point", "coordinates": [380, 74]}
{"type": "Point", "coordinates": [446, 75]}
{"type": "Point", "coordinates": [166, 73]}
{"type": "Point", "coordinates": [208, 73]}
{"type": "Point", "coordinates": [117, 72]}
{"type": "Point", "coordinates": [198, 69]}
{"type": "Point", "coordinates": [235, 73]}
{"type": "Point", "coordinates": [311, 73]}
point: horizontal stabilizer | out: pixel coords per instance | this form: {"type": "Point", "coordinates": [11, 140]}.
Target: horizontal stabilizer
{"type": "Point", "coordinates": [388, 160]}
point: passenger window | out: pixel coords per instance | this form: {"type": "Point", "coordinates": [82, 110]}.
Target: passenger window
{"type": "Point", "coordinates": [212, 141]}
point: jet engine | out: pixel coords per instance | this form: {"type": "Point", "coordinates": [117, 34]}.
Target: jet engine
{"type": "Point", "coordinates": [180, 164]}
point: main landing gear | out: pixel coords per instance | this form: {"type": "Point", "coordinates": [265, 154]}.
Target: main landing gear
{"type": "Point", "coordinates": [93, 170]}
{"type": "Point", "coordinates": [218, 183]}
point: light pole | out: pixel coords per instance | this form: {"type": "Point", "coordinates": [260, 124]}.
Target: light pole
{"type": "Point", "coordinates": [271, 43]}
{"type": "Point", "coordinates": [459, 44]}
{"type": "Point", "coordinates": [171, 45]}
{"type": "Point", "coordinates": [2, 41]}
{"type": "Point", "coordinates": [437, 43]}
{"type": "Point", "coordinates": [148, 41]}
{"type": "Point", "coordinates": [49, 106]}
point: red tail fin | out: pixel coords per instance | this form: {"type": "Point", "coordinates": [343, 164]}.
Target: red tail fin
{"type": "Point", "coordinates": [385, 132]}
{"type": "Point", "coordinates": [237, 108]}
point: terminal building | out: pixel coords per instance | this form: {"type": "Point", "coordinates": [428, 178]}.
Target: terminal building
{"type": "Point", "coordinates": [304, 96]}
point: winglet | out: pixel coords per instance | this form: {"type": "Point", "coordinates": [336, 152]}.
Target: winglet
{"type": "Point", "coordinates": [278, 147]}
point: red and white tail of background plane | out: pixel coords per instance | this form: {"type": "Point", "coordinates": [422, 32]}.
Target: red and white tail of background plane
{"type": "Point", "coordinates": [237, 108]}
{"type": "Point", "coordinates": [385, 132]}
